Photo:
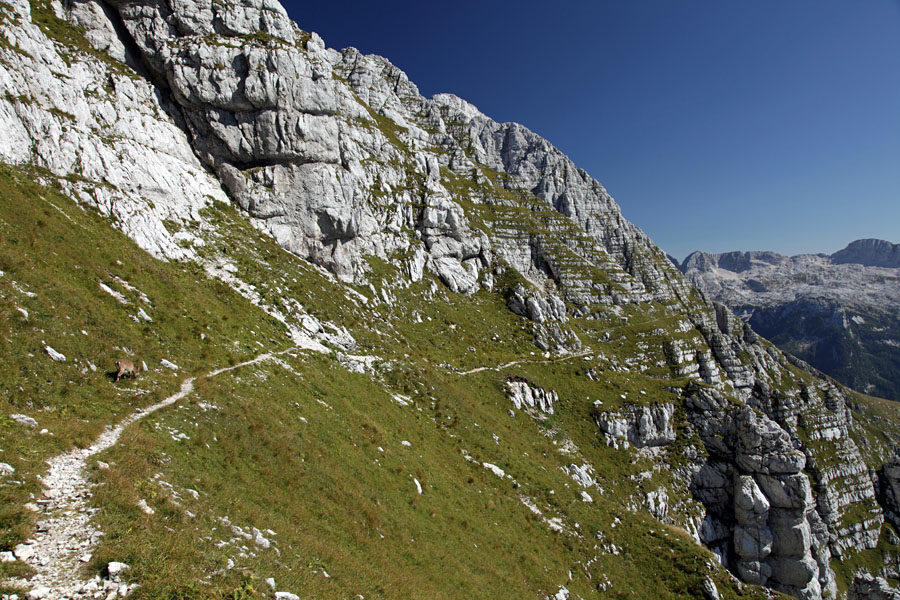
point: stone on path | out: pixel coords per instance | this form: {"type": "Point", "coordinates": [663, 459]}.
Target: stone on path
{"type": "Point", "coordinates": [24, 551]}
{"type": "Point", "coordinates": [37, 593]}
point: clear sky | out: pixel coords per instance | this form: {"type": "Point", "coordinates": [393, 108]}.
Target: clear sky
{"type": "Point", "coordinates": [716, 124]}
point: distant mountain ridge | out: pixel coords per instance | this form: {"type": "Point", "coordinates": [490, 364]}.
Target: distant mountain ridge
{"type": "Point", "coordinates": [870, 253]}
{"type": "Point", "coordinates": [839, 312]}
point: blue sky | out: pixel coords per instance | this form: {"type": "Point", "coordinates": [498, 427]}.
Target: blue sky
{"type": "Point", "coordinates": [716, 124]}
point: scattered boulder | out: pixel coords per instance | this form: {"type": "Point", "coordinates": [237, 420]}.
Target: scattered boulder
{"type": "Point", "coordinates": [115, 570]}
{"type": "Point", "coordinates": [57, 356]}
{"type": "Point", "coordinates": [24, 551]}
{"type": "Point", "coordinates": [24, 420]}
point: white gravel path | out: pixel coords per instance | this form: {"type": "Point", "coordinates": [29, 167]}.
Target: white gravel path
{"type": "Point", "coordinates": [63, 539]}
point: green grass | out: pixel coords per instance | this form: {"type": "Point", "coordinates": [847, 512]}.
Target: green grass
{"type": "Point", "coordinates": [337, 503]}
{"type": "Point", "coordinates": [314, 452]}
{"type": "Point", "coordinates": [54, 256]}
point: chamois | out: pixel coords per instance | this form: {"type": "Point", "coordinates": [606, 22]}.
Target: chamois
{"type": "Point", "coordinates": [125, 367]}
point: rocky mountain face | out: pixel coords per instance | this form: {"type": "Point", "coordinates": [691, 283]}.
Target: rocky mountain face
{"type": "Point", "coordinates": [839, 313]}
{"type": "Point", "coordinates": [869, 253]}
{"type": "Point", "coordinates": [583, 344]}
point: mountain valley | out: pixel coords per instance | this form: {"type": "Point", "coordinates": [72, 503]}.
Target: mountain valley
{"type": "Point", "coordinates": [839, 313]}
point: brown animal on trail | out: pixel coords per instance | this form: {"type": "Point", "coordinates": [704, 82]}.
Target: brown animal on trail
{"type": "Point", "coordinates": [125, 367]}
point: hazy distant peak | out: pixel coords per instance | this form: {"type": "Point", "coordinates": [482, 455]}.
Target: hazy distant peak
{"type": "Point", "coordinates": [869, 252]}
{"type": "Point", "coordinates": [866, 252]}
{"type": "Point", "coordinates": [737, 261]}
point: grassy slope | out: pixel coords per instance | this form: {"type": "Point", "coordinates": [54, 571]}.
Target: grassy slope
{"type": "Point", "coordinates": [54, 257]}
{"type": "Point", "coordinates": [336, 502]}
{"type": "Point", "coordinates": [306, 448]}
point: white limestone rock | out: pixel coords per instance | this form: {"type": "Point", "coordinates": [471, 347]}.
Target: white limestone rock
{"type": "Point", "coordinates": [640, 426]}
{"type": "Point", "coordinates": [24, 420]}
{"type": "Point", "coordinates": [524, 395]}
{"type": "Point", "coordinates": [57, 356]}
{"type": "Point", "coordinates": [23, 551]}
{"type": "Point", "coordinates": [460, 277]}
{"type": "Point", "coordinates": [75, 115]}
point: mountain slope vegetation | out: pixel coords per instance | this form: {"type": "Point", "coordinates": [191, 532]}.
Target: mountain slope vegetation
{"type": "Point", "coordinates": [479, 380]}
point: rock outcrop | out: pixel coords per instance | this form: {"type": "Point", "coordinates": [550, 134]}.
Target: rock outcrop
{"type": "Point", "coordinates": [762, 514]}
{"type": "Point", "coordinates": [638, 426]}
{"type": "Point", "coordinates": [526, 396]}
{"type": "Point", "coordinates": [866, 587]}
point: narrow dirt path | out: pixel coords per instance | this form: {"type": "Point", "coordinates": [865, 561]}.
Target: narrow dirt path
{"type": "Point", "coordinates": [559, 359]}
{"type": "Point", "coordinates": [64, 539]}
{"type": "Point", "coordinates": [525, 360]}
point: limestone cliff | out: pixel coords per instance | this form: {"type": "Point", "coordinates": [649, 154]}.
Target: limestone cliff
{"type": "Point", "coordinates": [180, 104]}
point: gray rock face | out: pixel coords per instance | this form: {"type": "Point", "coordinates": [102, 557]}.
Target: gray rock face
{"type": "Point", "coordinates": [640, 426]}
{"type": "Point", "coordinates": [812, 306]}
{"type": "Point", "coordinates": [762, 513]}
{"type": "Point", "coordinates": [291, 127]}
{"type": "Point", "coordinates": [890, 490]}
{"type": "Point", "coordinates": [536, 307]}
{"type": "Point", "coordinates": [869, 253]}
{"type": "Point", "coordinates": [111, 135]}
{"type": "Point", "coordinates": [866, 587]}
{"type": "Point", "coordinates": [99, 29]}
